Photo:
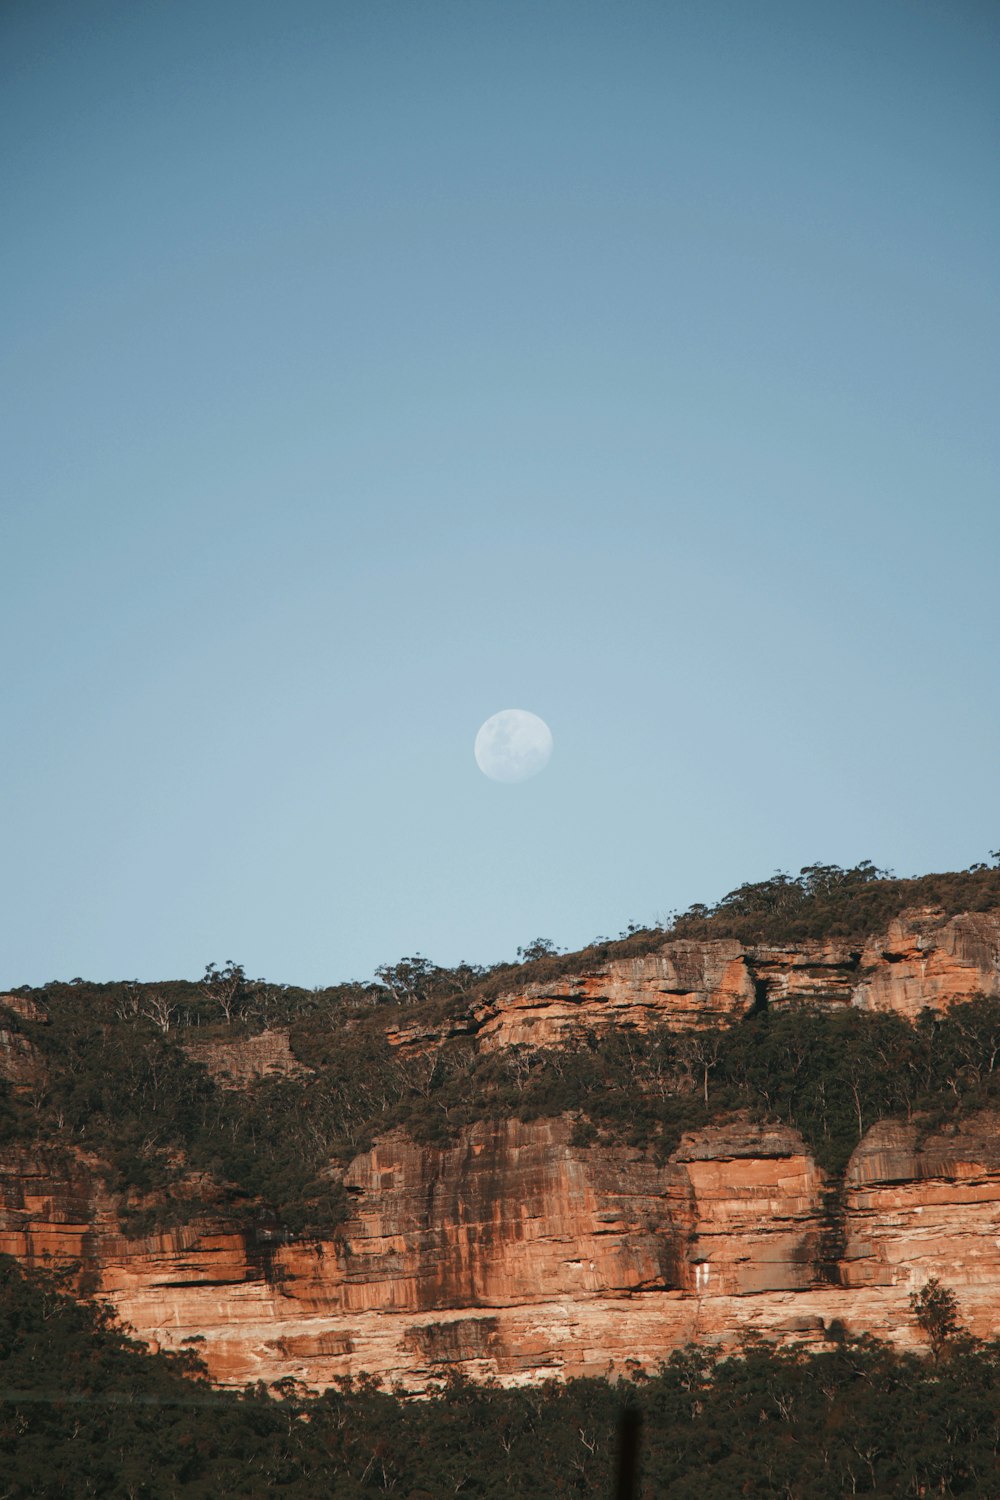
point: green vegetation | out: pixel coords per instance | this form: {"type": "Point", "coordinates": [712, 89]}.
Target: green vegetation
{"type": "Point", "coordinates": [935, 1308]}
{"type": "Point", "coordinates": [824, 901]}
{"type": "Point", "coordinates": [120, 1074]}
{"type": "Point", "coordinates": [114, 1080]}
{"type": "Point", "coordinates": [84, 1412]}
{"type": "Point", "coordinates": [166, 1129]}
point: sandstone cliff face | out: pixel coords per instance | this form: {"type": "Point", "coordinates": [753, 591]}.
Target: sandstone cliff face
{"type": "Point", "coordinates": [923, 959]}
{"type": "Point", "coordinates": [233, 1064]}
{"type": "Point", "coordinates": [919, 1208]}
{"type": "Point", "coordinates": [20, 1063]}
{"type": "Point", "coordinates": [513, 1253]}
{"type": "Point", "coordinates": [689, 983]}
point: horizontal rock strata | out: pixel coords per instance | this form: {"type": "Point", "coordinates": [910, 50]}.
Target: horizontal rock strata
{"type": "Point", "coordinates": [512, 1253]}
{"type": "Point", "coordinates": [923, 959]}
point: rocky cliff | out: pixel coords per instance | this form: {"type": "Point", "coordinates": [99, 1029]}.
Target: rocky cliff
{"type": "Point", "coordinates": [515, 1252]}
{"type": "Point", "coordinates": [923, 959]}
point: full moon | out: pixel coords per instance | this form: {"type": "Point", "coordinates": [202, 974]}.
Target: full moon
{"type": "Point", "coordinates": [513, 745]}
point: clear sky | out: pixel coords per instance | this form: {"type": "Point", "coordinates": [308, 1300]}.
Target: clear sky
{"type": "Point", "coordinates": [369, 366]}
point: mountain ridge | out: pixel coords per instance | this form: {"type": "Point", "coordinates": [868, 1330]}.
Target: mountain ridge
{"type": "Point", "coordinates": [671, 1138]}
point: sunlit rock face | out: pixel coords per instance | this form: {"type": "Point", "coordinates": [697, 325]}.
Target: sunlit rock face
{"type": "Point", "coordinates": [694, 984]}
{"type": "Point", "coordinates": [923, 959]}
{"type": "Point", "coordinates": [754, 1199]}
{"type": "Point", "coordinates": [921, 1206]}
{"type": "Point", "coordinates": [514, 1254]}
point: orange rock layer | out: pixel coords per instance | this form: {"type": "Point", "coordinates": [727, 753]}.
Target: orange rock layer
{"type": "Point", "coordinates": [922, 959]}
{"type": "Point", "coordinates": [515, 1254]}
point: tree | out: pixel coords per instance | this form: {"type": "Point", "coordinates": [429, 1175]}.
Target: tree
{"type": "Point", "coordinates": [159, 1008]}
{"type": "Point", "coordinates": [408, 981]}
{"type": "Point", "coordinates": [229, 988]}
{"type": "Point", "coordinates": [702, 1050]}
{"type": "Point", "coordinates": [539, 948]}
{"type": "Point", "coordinates": [935, 1308]}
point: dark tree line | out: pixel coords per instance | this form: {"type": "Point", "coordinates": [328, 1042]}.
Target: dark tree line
{"type": "Point", "coordinates": [84, 1412]}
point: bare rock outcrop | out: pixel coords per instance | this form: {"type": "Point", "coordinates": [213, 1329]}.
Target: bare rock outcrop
{"type": "Point", "coordinates": [238, 1062]}
{"type": "Point", "coordinates": [21, 1064]}
{"type": "Point", "coordinates": [513, 1253]}
{"type": "Point", "coordinates": [923, 959]}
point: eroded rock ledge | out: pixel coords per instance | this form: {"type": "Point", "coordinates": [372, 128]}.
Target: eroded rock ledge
{"type": "Point", "coordinates": [923, 959]}
{"type": "Point", "coordinates": [515, 1254]}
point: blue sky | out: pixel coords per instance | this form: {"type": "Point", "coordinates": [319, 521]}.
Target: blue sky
{"type": "Point", "coordinates": [369, 368]}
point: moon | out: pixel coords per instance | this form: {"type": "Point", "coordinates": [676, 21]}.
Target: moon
{"type": "Point", "coordinates": [513, 745]}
